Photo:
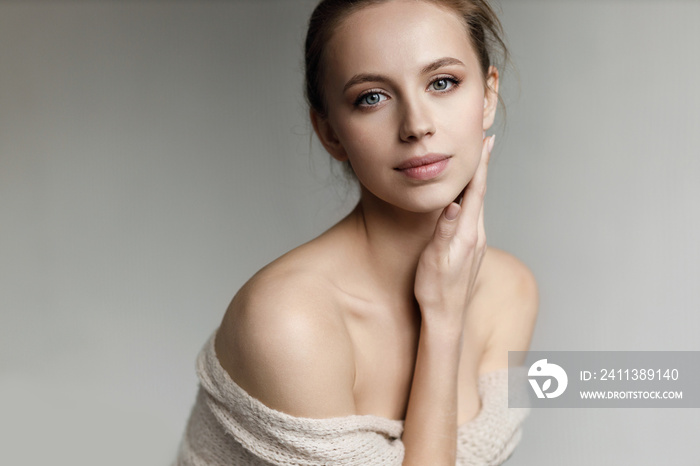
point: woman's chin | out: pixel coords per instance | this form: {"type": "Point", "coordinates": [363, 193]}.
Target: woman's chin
{"type": "Point", "coordinates": [427, 206]}
{"type": "Point", "coordinates": [419, 201]}
{"type": "Point", "coordinates": [438, 200]}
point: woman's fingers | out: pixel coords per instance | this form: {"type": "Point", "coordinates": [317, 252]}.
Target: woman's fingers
{"type": "Point", "coordinates": [474, 194]}
{"type": "Point", "coordinates": [446, 226]}
{"type": "Point", "coordinates": [469, 216]}
{"type": "Point", "coordinates": [476, 189]}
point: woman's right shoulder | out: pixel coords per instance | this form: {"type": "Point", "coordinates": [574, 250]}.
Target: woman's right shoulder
{"type": "Point", "coordinates": [284, 341]}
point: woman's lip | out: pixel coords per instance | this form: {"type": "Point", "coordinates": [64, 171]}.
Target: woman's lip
{"type": "Point", "coordinates": [425, 167]}
{"type": "Point", "coordinates": [419, 161]}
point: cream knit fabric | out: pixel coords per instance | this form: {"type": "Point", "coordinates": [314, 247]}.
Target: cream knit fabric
{"type": "Point", "coordinates": [229, 427]}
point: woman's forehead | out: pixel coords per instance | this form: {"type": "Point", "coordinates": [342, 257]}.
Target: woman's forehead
{"type": "Point", "coordinates": [399, 36]}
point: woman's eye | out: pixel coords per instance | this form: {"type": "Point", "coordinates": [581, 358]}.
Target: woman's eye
{"type": "Point", "coordinates": [442, 84]}
{"type": "Point", "coordinates": [370, 99]}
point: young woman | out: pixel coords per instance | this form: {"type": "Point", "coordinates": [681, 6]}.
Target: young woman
{"type": "Point", "coordinates": [385, 339]}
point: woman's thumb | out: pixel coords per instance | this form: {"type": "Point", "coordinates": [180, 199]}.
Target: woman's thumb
{"type": "Point", "coordinates": [447, 223]}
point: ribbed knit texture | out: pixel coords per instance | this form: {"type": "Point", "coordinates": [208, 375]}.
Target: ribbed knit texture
{"type": "Point", "coordinates": [491, 437]}
{"type": "Point", "coordinates": [229, 427]}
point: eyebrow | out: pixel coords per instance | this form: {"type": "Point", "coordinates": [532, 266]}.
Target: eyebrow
{"type": "Point", "coordinates": [366, 77]}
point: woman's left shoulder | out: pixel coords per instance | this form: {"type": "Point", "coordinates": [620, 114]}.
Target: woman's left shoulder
{"type": "Point", "coordinates": [506, 301]}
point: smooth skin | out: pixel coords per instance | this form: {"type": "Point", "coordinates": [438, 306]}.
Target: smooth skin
{"type": "Point", "coordinates": [397, 309]}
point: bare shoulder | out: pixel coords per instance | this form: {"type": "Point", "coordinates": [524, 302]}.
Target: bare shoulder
{"type": "Point", "coordinates": [284, 342]}
{"type": "Point", "coordinates": [508, 302]}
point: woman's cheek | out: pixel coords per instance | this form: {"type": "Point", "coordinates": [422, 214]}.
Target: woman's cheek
{"type": "Point", "coordinates": [362, 139]}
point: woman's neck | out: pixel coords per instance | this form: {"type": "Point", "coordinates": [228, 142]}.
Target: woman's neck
{"type": "Point", "coordinates": [391, 241]}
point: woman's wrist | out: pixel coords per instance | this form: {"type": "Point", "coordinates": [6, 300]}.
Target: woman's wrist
{"type": "Point", "coordinates": [444, 332]}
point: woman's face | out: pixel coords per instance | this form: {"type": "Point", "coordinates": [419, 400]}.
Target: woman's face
{"type": "Point", "coordinates": [406, 103]}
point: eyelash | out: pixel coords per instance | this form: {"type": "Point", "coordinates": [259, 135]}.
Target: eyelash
{"type": "Point", "coordinates": [455, 84]}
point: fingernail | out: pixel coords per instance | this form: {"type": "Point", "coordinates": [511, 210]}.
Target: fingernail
{"type": "Point", "coordinates": [493, 139]}
{"type": "Point", "coordinates": [452, 211]}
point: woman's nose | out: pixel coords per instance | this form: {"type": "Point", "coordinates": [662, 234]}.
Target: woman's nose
{"type": "Point", "coordinates": [416, 123]}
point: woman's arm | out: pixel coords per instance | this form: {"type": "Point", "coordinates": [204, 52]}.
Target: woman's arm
{"type": "Point", "coordinates": [444, 285]}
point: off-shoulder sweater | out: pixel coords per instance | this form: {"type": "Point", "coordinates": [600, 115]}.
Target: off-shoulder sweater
{"type": "Point", "coordinates": [227, 426]}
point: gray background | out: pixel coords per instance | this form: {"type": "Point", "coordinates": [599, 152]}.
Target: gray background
{"type": "Point", "coordinates": [153, 155]}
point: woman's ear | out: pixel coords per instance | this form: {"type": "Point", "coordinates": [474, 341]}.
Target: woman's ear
{"type": "Point", "coordinates": [327, 136]}
{"type": "Point", "coordinates": [490, 97]}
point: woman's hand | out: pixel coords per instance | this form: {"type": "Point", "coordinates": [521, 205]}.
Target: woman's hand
{"type": "Point", "coordinates": [448, 267]}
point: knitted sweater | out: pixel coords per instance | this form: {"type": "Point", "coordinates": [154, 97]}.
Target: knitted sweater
{"type": "Point", "coordinates": [227, 426]}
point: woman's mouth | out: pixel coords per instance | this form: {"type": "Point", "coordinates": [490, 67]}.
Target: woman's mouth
{"type": "Point", "coordinates": [424, 167]}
